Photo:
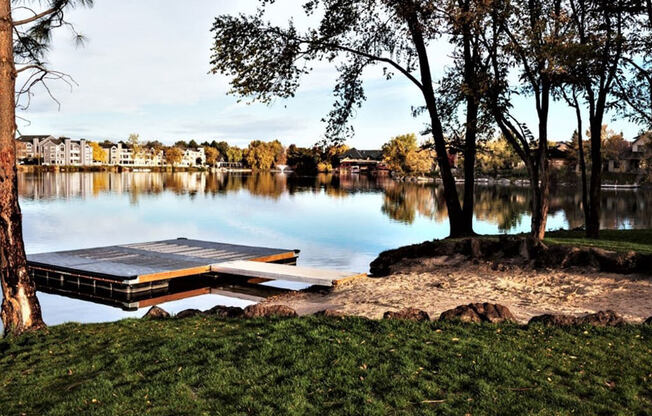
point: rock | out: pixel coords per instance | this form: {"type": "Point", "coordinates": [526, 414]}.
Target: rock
{"type": "Point", "coordinates": [156, 313]}
{"type": "Point", "coordinates": [648, 321]}
{"type": "Point", "coordinates": [187, 313]}
{"type": "Point", "coordinates": [258, 310]}
{"type": "Point", "coordinates": [331, 313]}
{"type": "Point", "coordinates": [478, 312]}
{"type": "Point", "coordinates": [601, 318]}
{"type": "Point", "coordinates": [410, 314]}
{"type": "Point", "coordinates": [225, 311]}
{"type": "Point", "coordinates": [553, 320]}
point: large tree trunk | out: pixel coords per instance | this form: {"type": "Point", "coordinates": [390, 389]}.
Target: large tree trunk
{"type": "Point", "coordinates": [458, 227]}
{"type": "Point", "coordinates": [20, 307]}
{"type": "Point", "coordinates": [541, 194]}
{"type": "Point", "coordinates": [472, 110]}
{"type": "Point", "coordinates": [469, 163]}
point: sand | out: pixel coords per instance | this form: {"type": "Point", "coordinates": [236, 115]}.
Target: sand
{"type": "Point", "coordinates": [428, 285]}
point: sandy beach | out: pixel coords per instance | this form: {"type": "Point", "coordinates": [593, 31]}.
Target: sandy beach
{"type": "Point", "coordinates": [434, 288]}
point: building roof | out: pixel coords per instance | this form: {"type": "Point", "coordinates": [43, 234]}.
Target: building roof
{"type": "Point", "coordinates": [29, 138]}
{"type": "Point", "coordinates": [362, 154]}
{"type": "Point", "coordinates": [641, 139]}
{"type": "Point", "coordinates": [559, 151]}
{"type": "Point", "coordinates": [56, 141]}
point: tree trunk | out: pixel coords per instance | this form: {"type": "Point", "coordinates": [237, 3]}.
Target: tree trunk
{"type": "Point", "coordinates": [582, 163]}
{"type": "Point", "coordinates": [458, 227]}
{"type": "Point", "coordinates": [541, 196]}
{"type": "Point", "coordinates": [471, 130]}
{"type": "Point", "coordinates": [469, 163]}
{"type": "Point", "coordinates": [593, 223]}
{"type": "Point", "coordinates": [20, 307]}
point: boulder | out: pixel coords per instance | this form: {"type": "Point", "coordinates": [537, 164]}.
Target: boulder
{"type": "Point", "coordinates": [187, 313]}
{"type": "Point", "coordinates": [478, 312]}
{"type": "Point", "coordinates": [225, 311]}
{"type": "Point", "coordinates": [553, 320]}
{"type": "Point", "coordinates": [601, 318]}
{"type": "Point", "coordinates": [156, 313]}
{"type": "Point", "coordinates": [258, 311]}
{"type": "Point", "coordinates": [410, 314]}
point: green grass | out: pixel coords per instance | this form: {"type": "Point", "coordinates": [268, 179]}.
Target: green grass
{"type": "Point", "coordinates": [615, 240]}
{"type": "Point", "coordinates": [205, 365]}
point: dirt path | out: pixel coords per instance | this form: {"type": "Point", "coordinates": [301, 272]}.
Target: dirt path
{"type": "Point", "coordinates": [434, 288]}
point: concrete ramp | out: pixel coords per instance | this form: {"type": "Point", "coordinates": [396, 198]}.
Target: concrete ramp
{"type": "Point", "coordinates": [269, 271]}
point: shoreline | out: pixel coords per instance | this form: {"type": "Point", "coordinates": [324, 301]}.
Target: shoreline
{"type": "Point", "coordinates": [430, 286]}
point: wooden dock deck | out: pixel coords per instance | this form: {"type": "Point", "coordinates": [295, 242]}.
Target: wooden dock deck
{"type": "Point", "coordinates": [150, 265]}
{"type": "Point", "coordinates": [139, 263]}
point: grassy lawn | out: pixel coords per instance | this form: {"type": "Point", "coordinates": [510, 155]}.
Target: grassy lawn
{"type": "Point", "coordinates": [615, 240]}
{"type": "Point", "coordinates": [312, 365]}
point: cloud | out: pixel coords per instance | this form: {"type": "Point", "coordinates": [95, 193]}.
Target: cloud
{"type": "Point", "coordinates": [145, 69]}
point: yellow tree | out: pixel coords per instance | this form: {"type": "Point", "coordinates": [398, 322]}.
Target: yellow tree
{"type": "Point", "coordinates": [395, 151]}
{"type": "Point", "coordinates": [173, 155]}
{"type": "Point", "coordinates": [212, 155]}
{"type": "Point", "coordinates": [99, 154]}
{"type": "Point", "coordinates": [260, 155]}
{"type": "Point", "coordinates": [496, 154]}
{"type": "Point", "coordinates": [420, 162]}
{"type": "Point", "coordinates": [134, 143]}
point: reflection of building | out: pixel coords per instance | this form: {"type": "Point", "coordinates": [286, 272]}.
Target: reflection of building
{"type": "Point", "coordinates": [354, 160]}
{"type": "Point", "coordinates": [52, 151]}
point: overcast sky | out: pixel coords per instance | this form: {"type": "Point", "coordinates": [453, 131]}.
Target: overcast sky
{"type": "Point", "coordinates": [145, 70]}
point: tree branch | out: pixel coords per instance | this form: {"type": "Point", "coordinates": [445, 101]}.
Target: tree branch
{"type": "Point", "coordinates": [36, 17]}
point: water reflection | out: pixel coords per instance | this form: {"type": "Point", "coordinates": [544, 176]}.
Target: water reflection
{"type": "Point", "coordinates": [403, 202]}
{"type": "Point", "coordinates": [178, 289]}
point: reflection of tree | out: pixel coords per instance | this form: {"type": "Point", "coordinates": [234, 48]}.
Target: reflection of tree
{"type": "Point", "coordinates": [619, 208]}
{"type": "Point", "coordinates": [266, 184]}
{"type": "Point", "coordinates": [504, 206]}
{"type": "Point", "coordinates": [402, 201]}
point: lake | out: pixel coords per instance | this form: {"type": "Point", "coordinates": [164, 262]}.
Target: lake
{"type": "Point", "coordinates": [336, 222]}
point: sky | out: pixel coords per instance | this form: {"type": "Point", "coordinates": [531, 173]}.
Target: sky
{"type": "Point", "coordinates": [145, 69]}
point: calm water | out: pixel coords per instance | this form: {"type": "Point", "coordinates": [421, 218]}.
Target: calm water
{"type": "Point", "coordinates": [340, 223]}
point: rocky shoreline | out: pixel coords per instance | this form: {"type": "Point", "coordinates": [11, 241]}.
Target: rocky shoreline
{"type": "Point", "coordinates": [472, 313]}
{"type": "Point", "coordinates": [515, 250]}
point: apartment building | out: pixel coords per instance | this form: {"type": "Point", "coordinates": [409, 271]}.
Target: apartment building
{"type": "Point", "coordinates": [123, 155]}
{"type": "Point", "coordinates": [193, 157]}
{"type": "Point", "coordinates": [54, 151]}
{"type": "Point", "coordinates": [62, 151]}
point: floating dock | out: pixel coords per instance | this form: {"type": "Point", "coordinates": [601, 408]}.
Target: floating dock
{"type": "Point", "coordinates": [147, 266]}
{"type": "Point", "coordinates": [177, 289]}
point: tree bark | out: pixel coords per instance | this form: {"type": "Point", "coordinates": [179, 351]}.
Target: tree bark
{"type": "Point", "coordinates": [458, 226]}
{"type": "Point", "coordinates": [593, 223]}
{"type": "Point", "coordinates": [20, 307]}
{"type": "Point", "coordinates": [542, 195]}
{"type": "Point", "coordinates": [472, 110]}
{"type": "Point", "coordinates": [582, 163]}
